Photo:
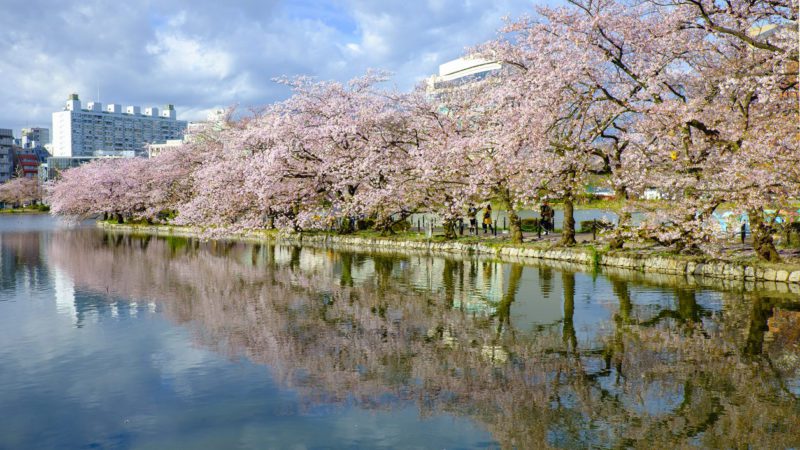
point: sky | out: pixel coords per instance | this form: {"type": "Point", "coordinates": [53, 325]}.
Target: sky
{"type": "Point", "coordinates": [201, 55]}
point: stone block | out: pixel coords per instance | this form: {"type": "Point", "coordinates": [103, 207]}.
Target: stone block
{"type": "Point", "coordinates": [781, 275]}
{"type": "Point", "coordinates": [699, 269]}
{"type": "Point", "coordinates": [770, 274]}
{"type": "Point", "coordinates": [794, 277]}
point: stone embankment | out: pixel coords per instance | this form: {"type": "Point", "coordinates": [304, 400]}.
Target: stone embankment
{"type": "Point", "coordinates": [786, 277]}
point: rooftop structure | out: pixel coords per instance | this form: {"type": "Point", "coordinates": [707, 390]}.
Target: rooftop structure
{"type": "Point", "coordinates": [460, 72]}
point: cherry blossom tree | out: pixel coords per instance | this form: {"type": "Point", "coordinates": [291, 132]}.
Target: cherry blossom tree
{"type": "Point", "coordinates": [328, 153]}
{"type": "Point", "coordinates": [20, 191]}
{"type": "Point", "coordinates": [693, 98]}
{"type": "Point", "coordinates": [447, 168]}
{"type": "Point", "coordinates": [726, 128]}
{"type": "Point", "coordinates": [112, 186]}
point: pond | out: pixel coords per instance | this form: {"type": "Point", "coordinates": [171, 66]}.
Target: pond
{"type": "Point", "coordinates": [121, 341]}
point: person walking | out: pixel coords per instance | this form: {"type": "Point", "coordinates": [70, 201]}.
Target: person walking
{"type": "Point", "coordinates": [473, 220]}
{"type": "Point", "coordinates": [487, 219]}
{"type": "Point", "coordinates": [743, 232]}
{"type": "Point", "coordinates": [546, 217]}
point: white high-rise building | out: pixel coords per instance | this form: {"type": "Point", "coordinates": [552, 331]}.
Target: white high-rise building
{"type": "Point", "coordinates": [111, 131]}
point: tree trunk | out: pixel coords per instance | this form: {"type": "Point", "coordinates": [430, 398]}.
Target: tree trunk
{"type": "Point", "coordinates": [120, 220]}
{"type": "Point", "coordinates": [386, 225]}
{"type": "Point", "coordinates": [568, 227]}
{"type": "Point", "coordinates": [347, 226]}
{"type": "Point", "coordinates": [617, 240]}
{"type": "Point", "coordinates": [504, 308]}
{"type": "Point", "coordinates": [448, 280]}
{"type": "Point", "coordinates": [620, 289]}
{"type": "Point", "coordinates": [514, 227]}
{"type": "Point", "coordinates": [616, 243]}
{"type": "Point", "coordinates": [688, 309]}
{"type": "Point", "coordinates": [762, 237]}
{"type": "Point", "coordinates": [568, 334]}
{"type": "Point", "coordinates": [449, 226]}
{"type": "Point", "coordinates": [762, 311]}
{"type": "Point", "coordinates": [514, 222]}
{"type": "Point", "coordinates": [621, 192]}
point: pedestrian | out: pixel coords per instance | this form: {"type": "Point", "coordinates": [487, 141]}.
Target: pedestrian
{"type": "Point", "coordinates": [473, 220]}
{"type": "Point", "coordinates": [744, 232]}
{"type": "Point", "coordinates": [487, 219]}
{"type": "Point", "coordinates": [546, 217]}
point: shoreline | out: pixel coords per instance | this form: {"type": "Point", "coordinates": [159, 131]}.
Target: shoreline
{"type": "Point", "coordinates": [18, 212]}
{"type": "Point", "coordinates": [784, 278]}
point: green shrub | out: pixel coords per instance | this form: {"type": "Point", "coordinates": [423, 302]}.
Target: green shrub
{"type": "Point", "coordinates": [165, 215]}
{"type": "Point", "coordinates": [365, 224]}
{"type": "Point", "coordinates": [401, 226]}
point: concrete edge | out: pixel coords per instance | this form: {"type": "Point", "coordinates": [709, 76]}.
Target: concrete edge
{"type": "Point", "coordinates": [664, 265]}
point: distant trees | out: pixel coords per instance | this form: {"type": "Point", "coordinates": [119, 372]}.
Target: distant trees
{"type": "Point", "coordinates": [695, 99]}
{"type": "Point", "coordinates": [20, 191]}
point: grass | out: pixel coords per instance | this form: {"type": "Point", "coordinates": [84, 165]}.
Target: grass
{"type": "Point", "coordinates": [38, 209]}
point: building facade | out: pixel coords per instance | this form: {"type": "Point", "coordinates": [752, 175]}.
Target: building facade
{"type": "Point", "coordinates": [195, 132]}
{"type": "Point", "coordinates": [34, 137]}
{"type": "Point", "coordinates": [27, 161]}
{"type": "Point", "coordinates": [111, 131]}
{"type": "Point", "coordinates": [459, 74]}
{"type": "Point", "coordinates": [154, 150]}
{"type": "Point", "coordinates": [6, 154]}
{"type": "Point", "coordinates": [52, 166]}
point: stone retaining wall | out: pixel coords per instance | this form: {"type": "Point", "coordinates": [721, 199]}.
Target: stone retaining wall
{"type": "Point", "coordinates": [790, 275]}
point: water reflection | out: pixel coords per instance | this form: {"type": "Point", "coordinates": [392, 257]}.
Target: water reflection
{"type": "Point", "coordinates": [537, 355]}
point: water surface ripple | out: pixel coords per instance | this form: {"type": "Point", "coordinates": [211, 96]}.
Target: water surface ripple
{"type": "Point", "coordinates": [119, 341]}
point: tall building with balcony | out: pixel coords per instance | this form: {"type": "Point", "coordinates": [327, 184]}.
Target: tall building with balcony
{"type": "Point", "coordinates": [111, 131]}
{"type": "Point", "coordinates": [6, 154]}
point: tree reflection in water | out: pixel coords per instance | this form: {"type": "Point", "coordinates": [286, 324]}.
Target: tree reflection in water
{"type": "Point", "coordinates": [446, 333]}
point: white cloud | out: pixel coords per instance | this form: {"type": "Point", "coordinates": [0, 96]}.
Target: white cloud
{"type": "Point", "coordinates": [200, 54]}
{"type": "Point", "coordinates": [188, 58]}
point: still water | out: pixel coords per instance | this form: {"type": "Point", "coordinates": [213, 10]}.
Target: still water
{"type": "Point", "coordinates": [117, 341]}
